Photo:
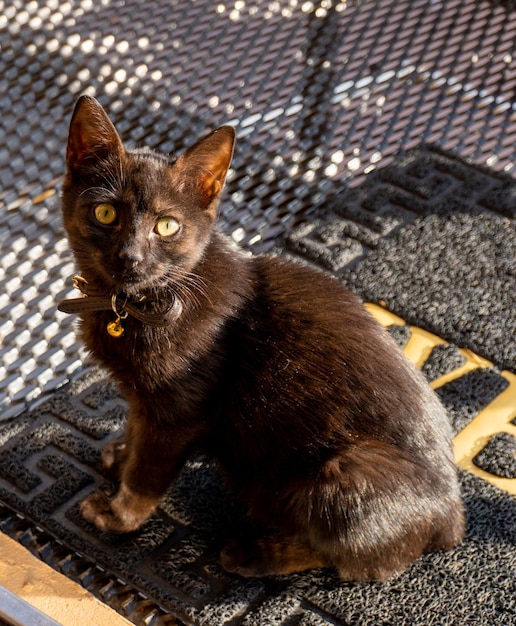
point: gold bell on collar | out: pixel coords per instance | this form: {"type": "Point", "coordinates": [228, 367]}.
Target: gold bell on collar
{"type": "Point", "coordinates": [115, 328]}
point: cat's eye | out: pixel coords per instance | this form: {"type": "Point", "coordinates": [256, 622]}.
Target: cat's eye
{"type": "Point", "coordinates": [166, 227]}
{"type": "Point", "coordinates": [105, 214]}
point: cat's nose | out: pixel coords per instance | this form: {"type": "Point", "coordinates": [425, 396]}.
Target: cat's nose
{"type": "Point", "coordinates": [131, 256]}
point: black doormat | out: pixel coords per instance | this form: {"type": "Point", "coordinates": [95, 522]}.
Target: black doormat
{"type": "Point", "coordinates": [434, 238]}
{"type": "Point", "coordinates": [431, 236]}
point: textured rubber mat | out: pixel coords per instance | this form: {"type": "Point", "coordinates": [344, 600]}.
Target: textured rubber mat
{"type": "Point", "coordinates": [49, 457]}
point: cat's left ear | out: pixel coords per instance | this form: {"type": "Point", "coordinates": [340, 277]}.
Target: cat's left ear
{"type": "Point", "coordinates": [202, 168]}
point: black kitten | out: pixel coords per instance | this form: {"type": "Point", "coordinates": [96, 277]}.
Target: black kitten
{"type": "Point", "coordinates": [331, 437]}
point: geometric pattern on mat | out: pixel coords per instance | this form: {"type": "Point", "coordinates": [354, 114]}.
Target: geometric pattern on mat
{"type": "Point", "coordinates": [421, 182]}
{"type": "Point", "coordinates": [433, 237]}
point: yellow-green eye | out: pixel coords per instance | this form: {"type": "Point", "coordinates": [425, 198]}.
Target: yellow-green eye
{"type": "Point", "coordinates": [166, 227]}
{"type": "Point", "coordinates": [105, 213]}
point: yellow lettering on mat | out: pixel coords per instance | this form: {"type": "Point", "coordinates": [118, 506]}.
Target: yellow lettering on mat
{"type": "Point", "coordinates": [494, 418]}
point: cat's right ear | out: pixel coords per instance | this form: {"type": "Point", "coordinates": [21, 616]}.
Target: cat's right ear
{"type": "Point", "coordinates": [92, 136]}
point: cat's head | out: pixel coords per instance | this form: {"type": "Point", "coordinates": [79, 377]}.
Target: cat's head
{"type": "Point", "coordinates": [136, 219]}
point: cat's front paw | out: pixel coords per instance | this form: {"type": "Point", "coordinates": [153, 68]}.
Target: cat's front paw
{"type": "Point", "coordinates": [122, 513]}
{"type": "Point", "coordinates": [97, 509]}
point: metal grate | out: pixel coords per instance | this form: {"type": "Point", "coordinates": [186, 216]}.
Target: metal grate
{"type": "Point", "coordinates": [108, 588]}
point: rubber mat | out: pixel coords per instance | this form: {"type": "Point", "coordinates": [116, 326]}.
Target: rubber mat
{"type": "Point", "coordinates": [49, 457]}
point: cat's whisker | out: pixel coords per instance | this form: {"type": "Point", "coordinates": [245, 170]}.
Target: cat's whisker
{"type": "Point", "coordinates": [194, 281]}
{"type": "Point", "coordinates": [187, 294]}
{"type": "Point", "coordinates": [190, 286]}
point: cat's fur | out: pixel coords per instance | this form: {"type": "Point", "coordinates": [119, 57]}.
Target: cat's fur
{"type": "Point", "coordinates": [333, 440]}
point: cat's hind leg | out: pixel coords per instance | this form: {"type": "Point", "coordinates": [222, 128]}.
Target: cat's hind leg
{"type": "Point", "coordinates": [368, 512]}
{"type": "Point", "coordinates": [373, 509]}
